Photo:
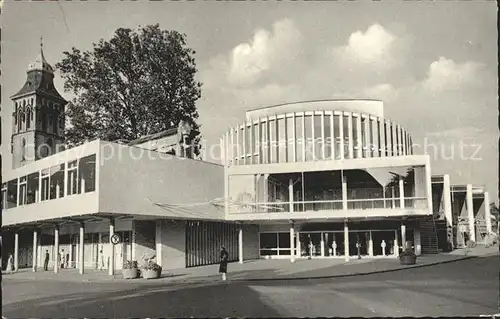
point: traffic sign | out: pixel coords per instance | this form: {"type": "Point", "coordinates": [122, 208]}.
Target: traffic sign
{"type": "Point", "coordinates": [115, 239]}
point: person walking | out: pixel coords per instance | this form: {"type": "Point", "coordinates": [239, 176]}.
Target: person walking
{"type": "Point", "coordinates": [46, 261]}
{"type": "Point", "coordinates": [101, 260]}
{"type": "Point", "coordinates": [224, 256]}
{"type": "Point", "coordinates": [10, 264]}
{"type": "Point", "coordinates": [63, 259]}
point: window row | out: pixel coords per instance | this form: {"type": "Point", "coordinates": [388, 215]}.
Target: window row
{"type": "Point", "coordinates": [51, 183]}
{"type": "Point", "coordinates": [25, 120]}
{"type": "Point", "coordinates": [298, 138]}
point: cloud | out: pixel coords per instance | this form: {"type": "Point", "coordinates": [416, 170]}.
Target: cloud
{"type": "Point", "coordinates": [385, 92]}
{"type": "Point", "coordinates": [373, 47]}
{"type": "Point", "coordinates": [445, 74]}
{"type": "Point", "coordinates": [249, 61]}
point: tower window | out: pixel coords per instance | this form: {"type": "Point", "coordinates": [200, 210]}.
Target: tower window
{"type": "Point", "coordinates": [23, 149]}
{"type": "Point", "coordinates": [29, 116]}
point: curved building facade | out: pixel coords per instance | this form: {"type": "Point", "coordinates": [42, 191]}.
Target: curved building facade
{"type": "Point", "coordinates": [314, 131]}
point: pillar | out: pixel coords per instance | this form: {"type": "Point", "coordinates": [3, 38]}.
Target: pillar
{"type": "Point", "coordinates": [344, 190]}
{"type": "Point", "coordinates": [240, 243]}
{"type": "Point", "coordinates": [16, 251]}
{"type": "Point", "coordinates": [290, 195]}
{"type": "Point", "coordinates": [447, 209]}
{"type": "Point", "coordinates": [322, 246]}
{"type": "Point", "coordinates": [292, 242]}
{"type": "Point", "coordinates": [346, 240]}
{"type": "Point", "coordinates": [487, 213]}
{"type": "Point", "coordinates": [70, 259]}
{"type": "Point", "coordinates": [401, 192]}
{"type": "Point", "coordinates": [403, 236]}
{"type": "Point", "coordinates": [35, 247]}
{"type": "Point", "coordinates": [370, 245]}
{"type": "Point", "coordinates": [417, 241]}
{"type": "Point", "coordinates": [56, 249]}
{"type": "Point", "coordinates": [159, 242]}
{"type": "Point", "coordinates": [470, 213]}
{"type": "Point", "coordinates": [133, 240]}
{"type": "Point", "coordinates": [81, 259]}
{"type": "Point", "coordinates": [111, 269]}
{"type": "Point", "coordinates": [396, 247]}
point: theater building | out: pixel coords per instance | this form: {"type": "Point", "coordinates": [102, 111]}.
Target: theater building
{"type": "Point", "coordinates": [318, 179]}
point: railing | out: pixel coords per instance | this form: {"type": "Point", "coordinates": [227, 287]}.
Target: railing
{"type": "Point", "coordinates": [325, 205]}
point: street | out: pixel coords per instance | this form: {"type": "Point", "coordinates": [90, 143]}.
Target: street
{"type": "Point", "coordinates": [464, 288]}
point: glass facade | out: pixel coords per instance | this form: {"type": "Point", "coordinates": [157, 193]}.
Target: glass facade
{"type": "Point", "coordinates": [74, 177]}
{"type": "Point", "coordinates": [313, 136]}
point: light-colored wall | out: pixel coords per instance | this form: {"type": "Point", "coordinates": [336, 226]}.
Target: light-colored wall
{"type": "Point", "coordinates": [172, 244]}
{"type": "Point", "coordinates": [81, 204]}
{"type": "Point", "coordinates": [161, 144]}
{"type": "Point", "coordinates": [131, 180]}
{"type": "Point", "coordinates": [250, 242]}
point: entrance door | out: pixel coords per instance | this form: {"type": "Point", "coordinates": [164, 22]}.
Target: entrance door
{"type": "Point", "coordinates": [360, 238]}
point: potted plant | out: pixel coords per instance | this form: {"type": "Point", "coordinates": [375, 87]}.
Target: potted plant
{"type": "Point", "coordinates": [151, 270]}
{"type": "Point", "coordinates": [130, 270]}
{"type": "Point", "coordinates": [408, 257]}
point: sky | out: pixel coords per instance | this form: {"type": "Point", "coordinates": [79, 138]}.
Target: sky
{"type": "Point", "coordinates": [434, 64]}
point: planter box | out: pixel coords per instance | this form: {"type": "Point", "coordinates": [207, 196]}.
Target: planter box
{"type": "Point", "coordinates": [130, 273]}
{"type": "Point", "coordinates": [408, 260]}
{"type": "Point", "coordinates": [151, 274]}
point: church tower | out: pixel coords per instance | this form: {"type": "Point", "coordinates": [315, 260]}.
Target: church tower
{"type": "Point", "coordinates": [38, 118]}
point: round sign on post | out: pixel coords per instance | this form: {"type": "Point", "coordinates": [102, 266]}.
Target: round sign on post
{"type": "Point", "coordinates": [115, 239]}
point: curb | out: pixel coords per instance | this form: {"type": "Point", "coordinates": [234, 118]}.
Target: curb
{"type": "Point", "coordinates": [200, 280]}
{"type": "Point", "coordinates": [356, 274]}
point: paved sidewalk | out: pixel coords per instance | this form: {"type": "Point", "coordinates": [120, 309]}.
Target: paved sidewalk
{"type": "Point", "coordinates": [257, 270]}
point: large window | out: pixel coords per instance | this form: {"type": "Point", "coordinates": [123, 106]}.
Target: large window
{"type": "Point", "coordinates": [281, 140]}
{"type": "Point", "coordinates": [318, 138]}
{"type": "Point", "coordinates": [264, 142]}
{"type": "Point", "coordinates": [33, 180]}
{"type": "Point", "coordinates": [87, 170]}
{"type": "Point", "coordinates": [11, 193]}
{"type": "Point", "coordinates": [57, 181]}
{"type": "Point", "coordinates": [22, 190]}
{"type": "Point", "coordinates": [346, 135]}
{"type": "Point", "coordinates": [290, 138]}
{"type": "Point", "coordinates": [308, 137]}
{"type": "Point", "coordinates": [45, 184]}
{"type": "Point", "coordinates": [328, 136]}
{"type": "Point", "coordinates": [299, 138]}
{"type": "Point", "coordinates": [336, 134]}
{"type": "Point", "coordinates": [275, 244]}
{"type": "Point", "coordinates": [273, 140]}
{"type": "Point", "coordinates": [357, 144]}
{"type": "Point", "coordinates": [72, 183]}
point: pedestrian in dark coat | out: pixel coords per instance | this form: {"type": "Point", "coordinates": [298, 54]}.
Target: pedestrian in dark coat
{"type": "Point", "coordinates": [224, 256]}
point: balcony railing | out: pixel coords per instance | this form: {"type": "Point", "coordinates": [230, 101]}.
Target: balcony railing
{"type": "Point", "coordinates": [326, 205]}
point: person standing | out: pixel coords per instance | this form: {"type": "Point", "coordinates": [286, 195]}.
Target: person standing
{"type": "Point", "coordinates": [101, 260]}
{"type": "Point", "coordinates": [46, 261]}
{"type": "Point", "coordinates": [224, 256]}
{"type": "Point", "coordinates": [10, 264]}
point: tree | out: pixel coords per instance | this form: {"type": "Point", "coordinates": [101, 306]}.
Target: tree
{"type": "Point", "coordinates": [138, 83]}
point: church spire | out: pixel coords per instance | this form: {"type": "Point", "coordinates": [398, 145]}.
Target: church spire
{"type": "Point", "coordinates": [40, 63]}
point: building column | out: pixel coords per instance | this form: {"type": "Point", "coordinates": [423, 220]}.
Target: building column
{"type": "Point", "coordinates": [290, 195]}
{"type": "Point", "coordinates": [396, 247]}
{"type": "Point", "coordinates": [417, 242]}
{"type": "Point", "coordinates": [159, 241]}
{"type": "Point", "coordinates": [344, 190]}
{"type": "Point", "coordinates": [111, 269]}
{"type": "Point", "coordinates": [70, 259]}
{"type": "Point", "coordinates": [346, 240]}
{"type": "Point", "coordinates": [133, 240]}
{"type": "Point", "coordinates": [81, 256]}
{"type": "Point", "coordinates": [16, 251]}
{"type": "Point", "coordinates": [470, 213]}
{"type": "Point", "coordinates": [447, 209]}
{"type": "Point", "coordinates": [292, 242]}
{"type": "Point", "coordinates": [240, 243]}
{"type": "Point", "coordinates": [487, 213]}
{"type": "Point", "coordinates": [35, 247]}
{"type": "Point", "coordinates": [401, 192]}
{"type": "Point", "coordinates": [370, 245]}
{"type": "Point", "coordinates": [56, 249]}
{"type": "Point", "coordinates": [403, 235]}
